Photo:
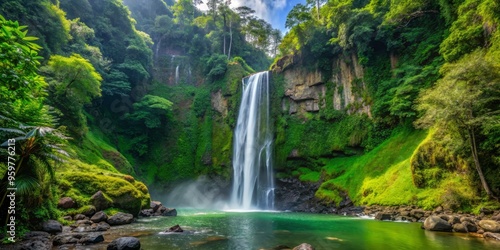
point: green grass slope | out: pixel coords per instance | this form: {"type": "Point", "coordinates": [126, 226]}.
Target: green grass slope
{"type": "Point", "coordinates": [383, 176]}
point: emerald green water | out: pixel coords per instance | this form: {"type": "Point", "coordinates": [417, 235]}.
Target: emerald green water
{"type": "Point", "coordinates": [212, 230]}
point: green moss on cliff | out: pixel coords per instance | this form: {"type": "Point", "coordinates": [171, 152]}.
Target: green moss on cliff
{"type": "Point", "coordinates": [384, 176]}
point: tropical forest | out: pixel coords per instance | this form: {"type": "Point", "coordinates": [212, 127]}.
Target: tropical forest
{"type": "Point", "coordinates": [241, 125]}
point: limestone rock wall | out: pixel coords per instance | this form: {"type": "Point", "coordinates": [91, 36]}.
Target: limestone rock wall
{"type": "Point", "coordinates": [311, 90]}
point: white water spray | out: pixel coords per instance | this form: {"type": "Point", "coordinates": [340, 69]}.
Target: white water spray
{"type": "Point", "coordinates": [253, 181]}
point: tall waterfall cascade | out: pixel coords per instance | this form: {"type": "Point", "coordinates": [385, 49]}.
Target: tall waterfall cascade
{"type": "Point", "coordinates": [253, 180]}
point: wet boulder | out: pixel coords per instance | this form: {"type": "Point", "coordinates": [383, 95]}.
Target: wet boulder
{"type": "Point", "coordinates": [120, 219]}
{"type": "Point", "coordinates": [436, 223]}
{"type": "Point", "coordinates": [125, 243]}
{"type": "Point", "coordinates": [174, 229]}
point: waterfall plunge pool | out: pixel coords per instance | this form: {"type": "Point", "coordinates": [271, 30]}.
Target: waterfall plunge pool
{"type": "Point", "coordinates": [221, 230]}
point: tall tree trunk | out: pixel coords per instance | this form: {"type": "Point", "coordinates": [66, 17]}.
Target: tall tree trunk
{"type": "Point", "coordinates": [224, 32]}
{"type": "Point", "coordinates": [230, 39]}
{"type": "Point", "coordinates": [472, 140]}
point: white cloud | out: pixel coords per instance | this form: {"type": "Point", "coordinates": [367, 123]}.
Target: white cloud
{"type": "Point", "coordinates": [265, 9]}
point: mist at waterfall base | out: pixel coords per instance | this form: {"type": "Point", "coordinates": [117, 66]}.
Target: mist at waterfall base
{"type": "Point", "coordinates": [253, 181]}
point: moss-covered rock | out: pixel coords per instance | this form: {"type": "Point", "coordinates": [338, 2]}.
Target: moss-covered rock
{"type": "Point", "coordinates": [120, 191]}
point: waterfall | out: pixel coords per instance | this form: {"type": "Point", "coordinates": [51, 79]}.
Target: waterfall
{"type": "Point", "coordinates": [177, 74]}
{"type": "Point", "coordinates": [253, 181]}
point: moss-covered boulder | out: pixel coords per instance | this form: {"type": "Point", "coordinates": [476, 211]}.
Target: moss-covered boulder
{"type": "Point", "coordinates": [108, 189]}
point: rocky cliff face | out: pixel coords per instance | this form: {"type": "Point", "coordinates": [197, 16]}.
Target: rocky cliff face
{"type": "Point", "coordinates": [312, 90]}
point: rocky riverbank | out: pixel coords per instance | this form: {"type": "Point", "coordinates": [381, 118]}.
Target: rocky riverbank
{"type": "Point", "coordinates": [486, 224]}
{"type": "Point", "coordinates": [294, 195]}
{"type": "Point", "coordinates": [87, 229]}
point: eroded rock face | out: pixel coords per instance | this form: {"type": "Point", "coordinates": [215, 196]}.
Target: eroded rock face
{"type": "Point", "coordinates": [294, 195]}
{"type": "Point", "coordinates": [436, 223]}
{"type": "Point", "coordinates": [125, 243]}
{"type": "Point", "coordinates": [312, 90]}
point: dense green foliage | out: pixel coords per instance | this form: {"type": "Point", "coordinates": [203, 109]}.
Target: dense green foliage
{"type": "Point", "coordinates": [433, 62]}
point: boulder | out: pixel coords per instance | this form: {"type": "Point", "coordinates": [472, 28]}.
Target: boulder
{"type": "Point", "coordinates": [489, 235]}
{"type": "Point", "coordinates": [67, 238]}
{"type": "Point", "coordinates": [486, 211]}
{"type": "Point", "coordinates": [459, 228]}
{"type": "Point", "coordinates": [100, 201]}
{"type": "Point", "coordinates": [436, 223]}
{"type": "Point", "coordinates": [471, 227]}
{"type": "Point", "coordinates": [453, 219]}
{"type": "Point", "coordinates": [125, 243]}
{"type": "Point", "coordinates": [120, 219]}
{"type": "Point", "coordinates": [155, 205]}
{"type": "Point", "coordinates": [170, 212]}
{"type": "Point", "coordinates": [304, 246]}
{"type": "Point", "coordinates": [68, 217]}
{"type": "Point", "coordinates": [36, 240]}
{"type": "Point", "coordinates": [175, 229]}
{"type": "Point", "coordinates": [66, 202]}
{"type": "Point", "coordinates": [146, 212]}
{"type": "Point", "coordinates": [383, 216]}
{"type": "Point", "coordinates": [52, 226]}
{"type": "Point", "coordinates": [490, 226]}
{"type": "Point", "coordinates": [102, 226]}
{"type": "Point", "coordinates": [89, 211]}
{"type": "Point", "coordinates": [99, 216]}
{"type": "Point", "coordinates": [91, 238]}
{"type": "Point", "coordinates": [79, 217]}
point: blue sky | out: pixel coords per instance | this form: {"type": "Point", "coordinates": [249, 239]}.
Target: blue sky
{"type": "Point", "coordinates": [273, 11]}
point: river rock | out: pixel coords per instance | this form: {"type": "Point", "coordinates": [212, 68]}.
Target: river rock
{"type": "Point", "coordinates": [120, 219]}
{"type": "Point", "coordinates": [125, 243]}
{"type": "Point", "coordinates": [89, 211]}
{"type": "Point", "coordinates": [459, 228]}
{"type": "Point", "coordinates": [80, 217]}
{"type": "Point", "coordinates": [146, 212]}
{"type": "Point", "coordinates": [68, 218]}
{"type": "Point", "coordinates": [175, 229]}
{"type": "Point", "coordinates": [304, 246]}
{"type": "Point", "coordinates": [67, 238]}
{"type": "Point", "coordinates": [66, 202]}
{"type": "Point", "coordinates": [436, 223]}
{"type": "Point", "coordinates": [383, 216]}
{"type": "Point", "coordinates": [35, 240]}
{"type": "Point", "coordinates": [155, 205]}
{"type": "Point", "coordinates": [91, 238]}
{"type": "Point", "coordinates": [490, 235]}
{"type": "Point", "coordinates": [52, 226]}
{"type": "Point", "coordinates": [486, 211]}
{"type": "Point", "coordinates": [169, 212]}
{"type": "Point", "coordinates": [99, 216]}
{"type": "Point", "coordinates": [100, 201]}
{"type": "Point", "coordinates": [102, 226]}
{"type": "Point", "coordinates": [490, 226]}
